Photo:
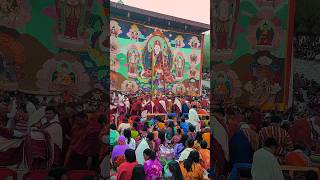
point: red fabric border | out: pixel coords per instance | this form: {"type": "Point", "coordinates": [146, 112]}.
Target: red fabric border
{"type": "Point", "coordinates": [201, 63]}
{"type": "Point", "coordinates": [288, 63]}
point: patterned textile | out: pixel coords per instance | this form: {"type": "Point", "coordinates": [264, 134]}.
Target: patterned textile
{"type": "Point", "coordinates": [153, 170]}
{"type": "Point", "coordinates": [252, 137]}
{"type": "Point", "coordinates": [282, 137]}
{"type": "Point", "coordinates": [196, 172]}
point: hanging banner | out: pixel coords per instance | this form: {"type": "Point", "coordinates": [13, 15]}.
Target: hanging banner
{"type": "Point", "coordinates": [154, 60]}
{"type": "Point", "coordinates": [252, 51]}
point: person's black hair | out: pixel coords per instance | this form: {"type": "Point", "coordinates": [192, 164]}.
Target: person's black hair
{"type": "Point", "coordinates": [299, 147]}
{"type": "Point", "coordinates": [57, 172]}
{"type": "Point", "coordinates": [127, 134]}
{"type": "Point", "coordinates": [135, 125]}
{"type": "Point", "coordinates": [190, 143]}
{"type": "Point", "coordinates": [51, 108]}
{"type": "Point", "coordinates": [81, 115]}
{"type": "Point", "coordinates": [192, 128]}
{"type": "Point", "coordinates": [204, 144]}
{"type": "Point", "coordinates": [138, 173]}
{"type": "Point", "coordinates": [193, 157]}
{"type": "Point", "coordinates": [162, 136]}
{"type": "Point", "coordinates": [150, 136]}
{"type": "Point", "coordinates": [199, 136]}
{"type": "Point", "coordinates": [179, 131]}
{"type": "Point", "coordinates": [150, 153]}
{"type": "Point", "coordinates": [146, 124]}
{"type": "Point", "coordinates": [174, 168]}
{"type": "Point", "coordinates": [312, 175]}
{"type": "Point", "coordinates": [171, 124]}
{"type": "Point", "coordinates": [183, 119]}
{"type": "Point", "coordinates": [275, 119]}
{"type": "Point", "coordinates": [270, 142]}
{"type": "Point", "coordinates": [130, 155]}
{"type": "Point", "coordinates": [170, 116]}
{"type": "Point", "coordinates": [144, 128]}
{"type": "Point", "coordinates": [113, 126]}
{"type": "Point", "coordinates": [184, 139]}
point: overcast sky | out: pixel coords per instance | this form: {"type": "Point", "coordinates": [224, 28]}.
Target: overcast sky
{"type": "Point", "coordinates": [195, 10]}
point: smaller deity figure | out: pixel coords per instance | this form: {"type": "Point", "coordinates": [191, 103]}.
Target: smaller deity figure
{"type": "Point", "coordinates": [179, 42]}
{"type": "Point", "coordinates": [223, 24]}
{"type": "Point", "coordinates": [114, 45]}
{"type": "Point", "coordinates": [193, 89]}
{"type": "Point", "coordinates": [115, 29]}
{"type": "Point", "coordinates": [265, 35]}
{"type": "Point", "coordinates": [194, 42]}
{"type": "Point", "coordinates": [133, 57]}
{"type": "Point", "coordinates": [63, 76]}
{"type": "Point", "coordinates": [221, 90]}
{"type": "Point", "coordinates": [193, 72]}
{"type": "Point", "coordinates": [263, 87]}
{"type": "Point", "coordinates": [194, 59]}
{"type": "Point", "coordinates": [134, 33]}
{"type": "Point", "coordinates": [72, 11]}
{"type": "Point", "coordinates": [179, 65]}
{"type": "Point", "coordinates": [114, 63]}
{"type": "Point", "coordinates": [179, 89]}
{"type": "Point", "coordinates": [14, 13]}
{"type": "Point", "coordinates": [129, 86]}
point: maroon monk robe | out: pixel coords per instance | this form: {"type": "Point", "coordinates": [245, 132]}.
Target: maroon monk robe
{"type": "Point", "coordinates": [88, 146]}
{"type": "Point", "coordinates": [300, 132]}
{"type": "Point", "coordinates": [136, 107]}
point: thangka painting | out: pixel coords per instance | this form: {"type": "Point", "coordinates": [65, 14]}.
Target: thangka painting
{"type": "Point", "coordinates": [251, 51]}
{"type": "Point", "coordinates": [55, 45]}
{"type": "Point", "coordinates": [154, 60]}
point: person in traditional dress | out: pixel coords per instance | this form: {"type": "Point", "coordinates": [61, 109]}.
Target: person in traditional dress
{"type": "Point", "coordinates": [139, 151]}
{"type": "Point", "coordinates": [118, 152]}
{"type": "Point", "coordinates": [220, 142]}
{"type": "Point", "coordinates": [265, 165]}
{"type": "Point", "coordinates": [300, 131]}
{"type": "Point", "coordinates": [240, 149]}
{"type": "Point", "coordinates": [129, 140]}
{"type": "Point", "coordinates": [204, 155]}
{"type": "Point", "coordinates": [126, 168]}
{"type": "Point", "coordinates": [87, 149]}
{"type": "Point", "coordinates": [124, 125]}
{"type": "Point", "coordinates": [152, 166]}
{"type": "Point", "coordinates": [194, 118]}
{"type": "Point", "coordinates": [77, 131]}
{"type": "Point", "coordinates": [51, 125]}
{"type": "Point", "coordinates": [179, 147]}
{"type": "Point", "coordinates": [282, 137]}
{"type": "Point", "coordinates": [189, 148]}
{"type": "Point", "coordinates": [191, 168]}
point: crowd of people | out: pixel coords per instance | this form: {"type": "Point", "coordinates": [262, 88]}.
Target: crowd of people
{"type": "Point", "coordinates": [58, 133]}
{"type": "Point", "coordinates": [307, 47]}
{"type": "Point", "coordinates": [159, 138]}
{"type": "Point", "coordinates": [255, 144]}
{"type": "Point", "coordinates": [306, 92]}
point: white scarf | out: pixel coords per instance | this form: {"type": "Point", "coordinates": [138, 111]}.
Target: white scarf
{"type": "Point", "coordinates": [178, 103]}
